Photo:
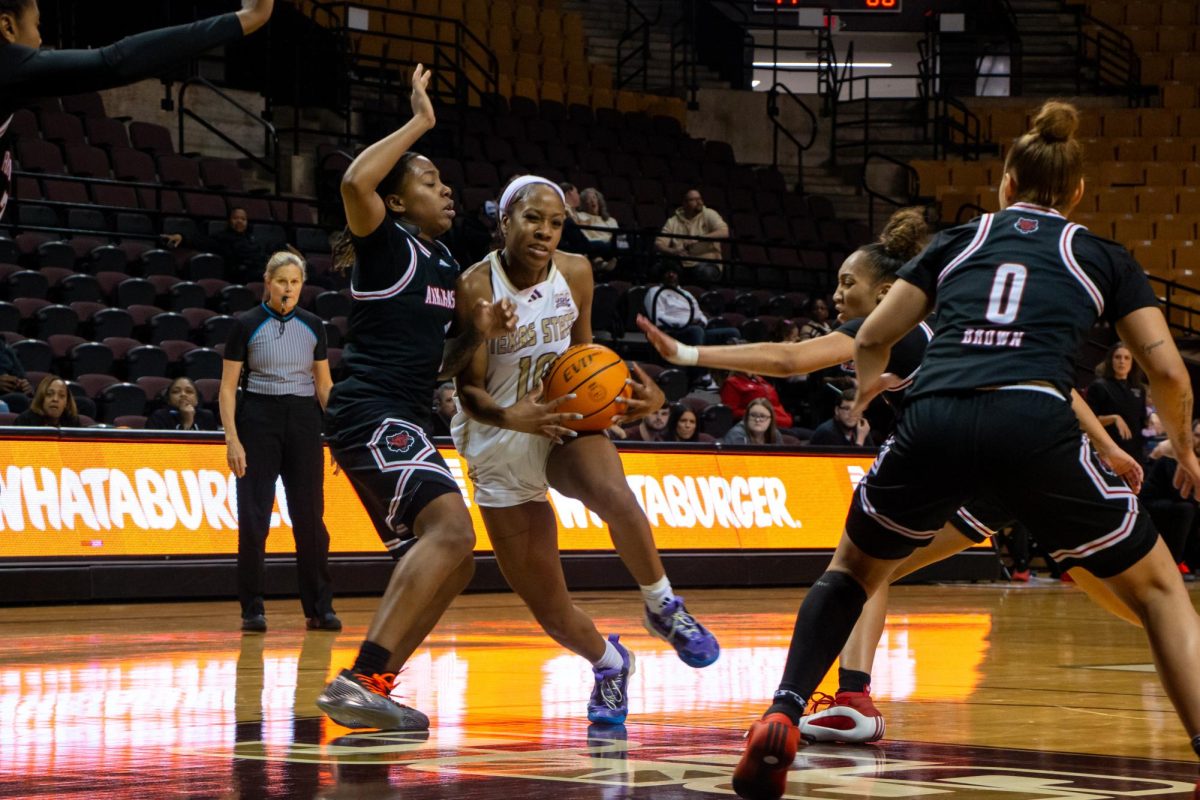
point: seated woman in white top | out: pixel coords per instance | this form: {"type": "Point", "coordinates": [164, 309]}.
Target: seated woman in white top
{"type": "Point", "coordinates": [593, 212]}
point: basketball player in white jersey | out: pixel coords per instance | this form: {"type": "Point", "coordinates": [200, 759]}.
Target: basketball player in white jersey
{"type": "Point", "coordinates": [516, 446]}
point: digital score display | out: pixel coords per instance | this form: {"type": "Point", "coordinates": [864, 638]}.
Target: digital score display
{"type": "Point", "coordinates": [832, 6]}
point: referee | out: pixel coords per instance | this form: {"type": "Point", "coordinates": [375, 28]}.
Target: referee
{"type": "Point", "coordinates": [276, 353]}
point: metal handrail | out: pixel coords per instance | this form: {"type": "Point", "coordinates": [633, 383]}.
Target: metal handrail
{"type": "Point", "coordinates": [1170, 291]}
{"type": "Point", "coordinates": [1130, 59]}
{"type": "Point", "coordinates": [779, 128]}
{"type": "Point", "coordinates": [914, 182]}
{"type": "Point", "coordinates": [465, 45]}
{"type": "Point", "coordinates": [642, 30]}
{"type": "Point", "coordinates": [683, 56]}
{"type": "Point", "coordinates": [271, 137]}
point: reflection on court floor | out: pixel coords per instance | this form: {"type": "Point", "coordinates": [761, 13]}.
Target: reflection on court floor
{"type": "Point", "coordinates": [984, 688]}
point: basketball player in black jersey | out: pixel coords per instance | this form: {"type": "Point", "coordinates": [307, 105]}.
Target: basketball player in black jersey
{"type": "Point", "coordinates": [1015, 294]}
{"type": "Point", "coordinates": [27, 73]}
{"type": "Point", "coordinates": [402, 286]}
{"type": "Point", "coordinates": [863, 281]}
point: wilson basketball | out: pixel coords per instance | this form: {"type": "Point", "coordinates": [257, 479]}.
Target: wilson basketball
{"type": "Point", "coordinates": [597, 377]}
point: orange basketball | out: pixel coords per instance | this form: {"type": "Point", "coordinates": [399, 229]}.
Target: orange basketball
{"type": "Point", "coordinates": [597, 377]}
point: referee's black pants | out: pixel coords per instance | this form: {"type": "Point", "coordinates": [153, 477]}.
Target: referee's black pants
{"type": "Point", "coordinates": [282, 438]}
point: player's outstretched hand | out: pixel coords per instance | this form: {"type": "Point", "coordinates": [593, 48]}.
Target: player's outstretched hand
{"type": "Point", "coordinates": [421, 104]}
{"type": "Point", "coordinates": [1187, 476]}
{"type": "Point", "coordinates": [254, 14]}
{"type": "Point", "coordinates": [647, 398]}
{"type": "Point", "coordinates": [494, 320]}
{"type": "Point", "coordinates": [534, 414]}
{"type": "Point", "coordinates": [667, 346]}
{"type": "Point", "coordinates": [1126, 467]}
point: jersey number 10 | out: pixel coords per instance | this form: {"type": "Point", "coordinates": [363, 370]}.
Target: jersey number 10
{"type": "Point", "coordinates": [529, 373]}
{"type": "Point", "coordinates": [1005, 299]}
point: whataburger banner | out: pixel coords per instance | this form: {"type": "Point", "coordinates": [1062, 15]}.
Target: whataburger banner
{"type": "Point", "coordinates": [97, 499]}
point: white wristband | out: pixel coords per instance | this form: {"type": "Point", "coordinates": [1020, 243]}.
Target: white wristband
{"type": "Point", "coordinates": [686, 355]}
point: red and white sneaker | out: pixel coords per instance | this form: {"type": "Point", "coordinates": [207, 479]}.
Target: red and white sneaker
{"type": "Point", "coordinates": [770, 750]}
{"type": "Point", "coordinates": [849, 717]}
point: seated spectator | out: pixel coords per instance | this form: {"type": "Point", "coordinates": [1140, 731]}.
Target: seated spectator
{"type": "Point", "coordinates": [789, 331]}
{"type": "Point", "coordinates": [677, 312]}
{"type": "Point", "coordinates": [846, 428]}
{"type": "Point", "coordinates": [652, 428]}
{"type": "Point", "coordinates": [593, 213]}
{"type": "Point", "coordinates": [757, 426]}
{"type": "Point", "coordinates": [1118, 398]}
{"type": "Point", "coordinates": [683, 426]}
{"type": "Point", "coordinates": [245, 258]}
{"type": "Point", "coordinates": [14, 388]}
{"type": "Point", "coordinates": [183, 411]}
{"type": "Point", "coordinates": [740, 388]}
{"type": "Point", "coordinates": [818, 319]}
{"type": "Point", "coordinates": [444, 409]}
{"type": "Point", "coordinates": [693, 219]}
{"type": "Point", "coordinates": [574, 239]}
{"type": "Point", "coordinates": [53, 406]}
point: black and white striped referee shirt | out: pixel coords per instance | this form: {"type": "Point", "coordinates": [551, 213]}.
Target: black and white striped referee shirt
{"type": "Point", "coordinates": [278, 349]}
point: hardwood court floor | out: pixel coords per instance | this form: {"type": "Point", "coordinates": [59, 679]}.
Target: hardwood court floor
{"type": "Point", "coordinates": [999, 692]}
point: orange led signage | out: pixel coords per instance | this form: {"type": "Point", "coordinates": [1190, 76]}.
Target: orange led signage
{"type": "Point", "coordinates": [127, 498]}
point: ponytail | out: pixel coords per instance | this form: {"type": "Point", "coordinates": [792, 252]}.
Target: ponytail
{"type": "Point", "coordinates": [1047, 161]}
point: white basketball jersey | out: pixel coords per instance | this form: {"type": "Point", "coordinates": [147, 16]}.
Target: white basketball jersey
{"type": "Point", "coordinates": [545, 312]}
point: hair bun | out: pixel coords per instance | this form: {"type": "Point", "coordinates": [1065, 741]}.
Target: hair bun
{"type": "Point", "coordinates": [905, 234]}
{"type": "Point", "coordinates": [1056, 121]}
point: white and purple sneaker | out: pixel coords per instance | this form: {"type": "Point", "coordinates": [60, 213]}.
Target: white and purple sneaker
{"type": "Point", "coordinates": [609, 703]}
{"type": "Point", "coordinates": [693, 643]}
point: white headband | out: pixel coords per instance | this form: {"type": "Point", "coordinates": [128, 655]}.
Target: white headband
{"type": "Point", "coordinates": [520, 183]}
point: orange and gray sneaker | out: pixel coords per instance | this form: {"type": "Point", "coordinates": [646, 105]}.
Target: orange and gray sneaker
{"type": "Point", "coordinates": [771, 746]}
{"type": "Point", "coordinates": [848, 717]}
{"type": "Point", "coordinates": [364, 701]}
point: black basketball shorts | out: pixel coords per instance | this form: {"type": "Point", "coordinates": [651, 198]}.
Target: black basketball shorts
{"type": "Point", "coordinates": [1020, 446]}
{"type": "Point", "coordinates": [396, 472]}
{"type": "Point", "coordinates": [981, 518]}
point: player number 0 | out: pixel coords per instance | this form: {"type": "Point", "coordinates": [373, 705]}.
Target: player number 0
{"type": "Point", "coordinates": [1005, 299]}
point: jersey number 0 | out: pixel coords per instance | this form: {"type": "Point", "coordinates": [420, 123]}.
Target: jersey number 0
{"type": "Point", "coordinates": [1005, 299]}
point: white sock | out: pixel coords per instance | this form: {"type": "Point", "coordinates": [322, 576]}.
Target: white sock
{"type": "Point", "coordinates": [611, 658]}
{"type": "Point", "coordinates": [658, 594]}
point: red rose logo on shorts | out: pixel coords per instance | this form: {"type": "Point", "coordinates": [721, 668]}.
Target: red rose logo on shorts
{"type": "Point", "coordinates": [400, 442]}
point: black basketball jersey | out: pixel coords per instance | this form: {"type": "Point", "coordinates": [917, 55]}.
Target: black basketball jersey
{"type": "Point", "coordinates": [402, 289]}
{"type": "Point", "coordinates": [1015, 294]}
{"type": "Point", "coordinates": [904, 361]}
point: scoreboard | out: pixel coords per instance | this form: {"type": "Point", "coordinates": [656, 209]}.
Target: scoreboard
{"type": "Point", "coordinates": [832, 6]}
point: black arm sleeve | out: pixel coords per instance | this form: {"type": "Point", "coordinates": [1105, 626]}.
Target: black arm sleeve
{"type": "Point", "coordinates": [26, 73]}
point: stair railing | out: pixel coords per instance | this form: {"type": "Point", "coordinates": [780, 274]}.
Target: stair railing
{"type": "Point", "coordinates": [633, 48]}
{"type": "Point", "coordinates": [269, 160]}
{"type": "Point", "coordinates": [779, 129]}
